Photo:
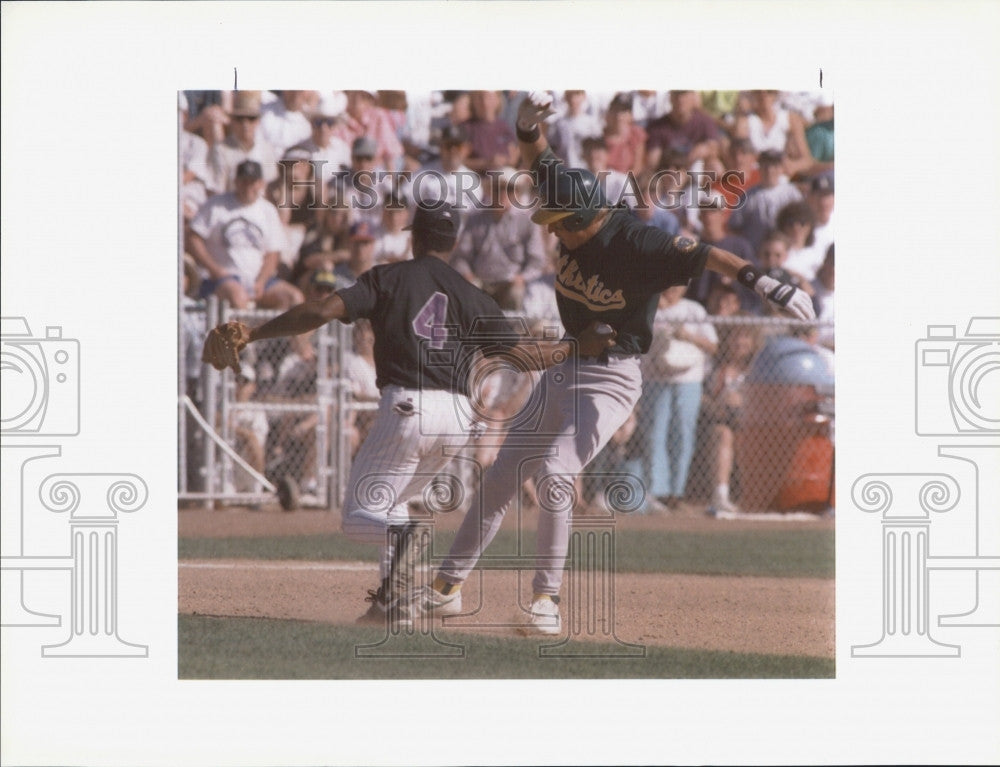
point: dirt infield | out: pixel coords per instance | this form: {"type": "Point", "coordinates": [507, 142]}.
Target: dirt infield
{"type": "Point", "coordinates": [788, 616]}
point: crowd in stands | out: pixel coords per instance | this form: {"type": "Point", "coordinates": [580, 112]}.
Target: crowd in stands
{"type": "Point", "coordinates": [285, 195]}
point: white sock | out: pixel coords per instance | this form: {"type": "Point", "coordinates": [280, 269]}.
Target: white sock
{"type": "Point", "coordinates": [722, 492]}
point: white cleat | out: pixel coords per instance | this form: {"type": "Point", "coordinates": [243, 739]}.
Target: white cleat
{"type": "Point", "coordinates": [433, 602]}
{"type": "Point", "coordinates": [544, 619]}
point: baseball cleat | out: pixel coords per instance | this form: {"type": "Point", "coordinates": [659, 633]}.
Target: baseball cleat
{"type": "Point", "coordinates": [384, 613]}
{"type": "Point", "coordinates": [544, 618]}
{"type": "Point", "coordinates": [433, 602]}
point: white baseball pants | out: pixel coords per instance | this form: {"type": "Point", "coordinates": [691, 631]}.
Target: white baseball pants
{"type": "Point", "coordinates": [405, 449]}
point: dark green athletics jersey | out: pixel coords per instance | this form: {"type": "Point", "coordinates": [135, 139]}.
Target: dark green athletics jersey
{"type": "Point", "coordinates": [617, 276]}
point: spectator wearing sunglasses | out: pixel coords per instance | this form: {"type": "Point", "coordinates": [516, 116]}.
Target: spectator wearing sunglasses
{"type": "Point", "coordinates": [242, 143]}
{"type": "Point", "coordinates": [330, 153]}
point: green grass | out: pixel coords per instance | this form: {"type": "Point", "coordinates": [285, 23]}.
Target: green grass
{"type": "Point", "coordinates": [257, 648]}
{"type": "Point", "coordinates": [778, 553]}
{"type": "Point", "coordinates": [298, 547]}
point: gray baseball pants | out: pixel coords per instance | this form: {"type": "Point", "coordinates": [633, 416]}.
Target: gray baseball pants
{"type": "Point", "coordinates": [582, 404]}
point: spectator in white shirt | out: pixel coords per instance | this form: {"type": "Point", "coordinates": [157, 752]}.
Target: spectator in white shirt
{"type": "Point", "coordinates": [283, 123]}
{"type": "Point", "coordinates": [567, 133]}
{"type": "Point", "coordinates": [237, 238]}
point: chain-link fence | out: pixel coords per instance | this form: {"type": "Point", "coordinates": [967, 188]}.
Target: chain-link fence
{"type": "Point", "coordinates": [736, 415]}
{"type": "Point", "coordinates": [281, 428]}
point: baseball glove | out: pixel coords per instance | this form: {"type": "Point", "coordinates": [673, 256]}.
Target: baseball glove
{"type": "Point", "coordinates": [224, 344]}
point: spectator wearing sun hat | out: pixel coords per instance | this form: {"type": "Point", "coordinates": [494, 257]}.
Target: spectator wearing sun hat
{"type": "Point", "coordinates": [243, 142]}
{"type": "Point", "coordinates": [330, 153]}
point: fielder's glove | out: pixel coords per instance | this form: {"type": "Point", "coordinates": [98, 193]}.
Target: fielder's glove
{"type": "Point", "coordinates": [224, 344]}
{"type": "Point", "coordinates": [787, 298]}
{"type": "Point", "coordinates": [534, 109]}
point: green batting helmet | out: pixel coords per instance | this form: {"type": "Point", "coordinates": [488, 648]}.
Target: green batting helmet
{"type": "Point", "coordinates": [570, 195]}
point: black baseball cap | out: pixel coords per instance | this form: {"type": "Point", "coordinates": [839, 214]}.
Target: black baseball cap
{"type": "Point", "coordinates": [435, 218]}
{"type": "Point", "coordinates": [249, 169]}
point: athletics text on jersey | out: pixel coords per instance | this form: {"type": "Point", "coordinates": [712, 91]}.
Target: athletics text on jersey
{"type": "Point", "coordinates": [617, 275]}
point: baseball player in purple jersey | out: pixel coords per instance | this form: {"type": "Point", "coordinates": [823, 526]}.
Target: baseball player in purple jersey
{"type": "Point", "coordinates": [422, 312]}
{"type": "Point", "coordinates": [611, 269]}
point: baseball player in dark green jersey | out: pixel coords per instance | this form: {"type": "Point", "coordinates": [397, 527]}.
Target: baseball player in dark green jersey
{"type": "Point", "coordinates": [611, 269]}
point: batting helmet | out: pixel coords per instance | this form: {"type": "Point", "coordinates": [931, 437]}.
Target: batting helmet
{"type": "Point", "coordinates": [570, 195]}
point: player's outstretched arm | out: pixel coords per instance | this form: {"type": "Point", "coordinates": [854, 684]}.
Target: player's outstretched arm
{"type": "Point", "coordinates": [302, 318]}
{"type": "Point", "coordinates": [533, 110]}
{"type": "Point", "coordinates": [224, 343]}
{"type": "Point", "coordinates": [787, 298]}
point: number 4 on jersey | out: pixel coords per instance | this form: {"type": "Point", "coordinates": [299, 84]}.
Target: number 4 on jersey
{"type": "Point", "coordinates": [430, 320]}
